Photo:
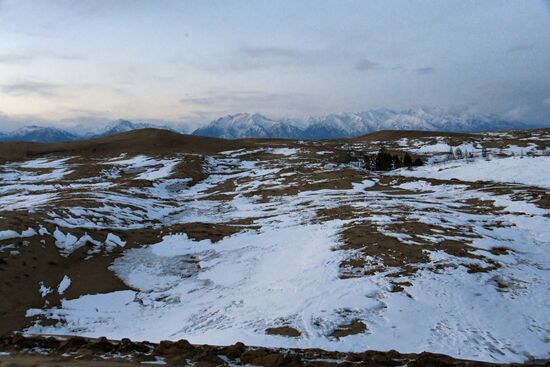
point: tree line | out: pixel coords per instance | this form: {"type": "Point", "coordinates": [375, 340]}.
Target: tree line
{"type": "Point", "coordinates": [385, 161]}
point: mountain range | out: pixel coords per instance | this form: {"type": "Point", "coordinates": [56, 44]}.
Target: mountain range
{"type": "Point", "coordinates": [345, 125]}
{"type": "Point", "coordinates": [48, 134]}
{"type": "Point", "coordinates": [341, 125]}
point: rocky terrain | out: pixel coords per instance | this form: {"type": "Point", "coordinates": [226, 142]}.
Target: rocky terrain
{"type": "Point", "coordinates": [283, 245]}
{"type": "Point", "coordinates": [78, 351]}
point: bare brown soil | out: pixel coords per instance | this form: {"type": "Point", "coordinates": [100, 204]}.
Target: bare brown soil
{"type": "Point", "coordinates": [145, 141]}
{"type": "Point", "coordinates": [284, 331]}
{"type": "Point", "coordinates": [191, 167]}
{"type": "Point", "coordinates": [354, 327]}
{"type": "Point", "coordinates": [387, 135]}
{"type": "Point", "coordinates": [37, 262]}
{"type": "Point", "coordinates": [36, 259]}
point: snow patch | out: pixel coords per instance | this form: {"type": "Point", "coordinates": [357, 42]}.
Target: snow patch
{"type": "Point", "coordinates": [507, 170]}
{"type": "Point", "coordinates": [64, 284]}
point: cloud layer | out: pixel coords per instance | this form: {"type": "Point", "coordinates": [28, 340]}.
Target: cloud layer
{"type": "Point", "coordinates": [184, 61]}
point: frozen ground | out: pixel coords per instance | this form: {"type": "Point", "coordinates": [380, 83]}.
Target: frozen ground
{"type": "Point", "coordinates": [529, 171]}
{"type": "Point", "coordinates": [426, 265]}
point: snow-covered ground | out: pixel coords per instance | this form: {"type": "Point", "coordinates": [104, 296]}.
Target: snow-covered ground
{"type": "Point", "coordinates": [285, 267]}
{"type": "Point", "coordinates": [286, 270]}
{"type": "Point", "coordinates": [530, 171]}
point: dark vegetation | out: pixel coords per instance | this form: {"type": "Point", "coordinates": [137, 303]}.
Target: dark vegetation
{"type": "Point", "coordinates": [385, 161]}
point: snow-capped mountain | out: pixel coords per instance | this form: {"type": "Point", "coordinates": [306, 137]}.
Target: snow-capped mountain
{"type": "Point", "coordinates": [40, 134]}
{"type": "Point", "coordinates": [244, 125]}
{"type": "Point", "coordinates": [341, 125]}
{"type": "Point", "coordinates": [121, 126]}
{"type": "Point", "coordinates": [344, 125]}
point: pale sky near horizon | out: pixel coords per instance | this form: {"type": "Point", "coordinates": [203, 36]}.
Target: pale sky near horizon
{"type": "Point", "coordinates": [84, 61]}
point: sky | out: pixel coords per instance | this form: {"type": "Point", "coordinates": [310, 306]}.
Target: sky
{"type": "Point", "coordinates": [83, 62]}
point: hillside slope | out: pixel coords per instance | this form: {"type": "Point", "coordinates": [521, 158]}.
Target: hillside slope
{"type": "Point", "coordinates": [153, 141]}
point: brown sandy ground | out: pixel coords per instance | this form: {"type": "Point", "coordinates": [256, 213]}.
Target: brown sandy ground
{"type": "Point", "coordinates": [20, 351]}
{"type": "Point", "coordinates": [145, 141]}
{"type": "Point", "coordinates": [37, 260]}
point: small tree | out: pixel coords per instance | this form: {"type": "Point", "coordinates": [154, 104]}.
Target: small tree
{"type": "Point", "coordinates": [383, 161]}
{"type": "Point", "coordinates": [418, 162]}
{"type": "Point", "coordinates": [369, 162]}
{"type": "Point", "coordinates": [407, 160]}
{"type": "Point", "coordinates": [396, 162]}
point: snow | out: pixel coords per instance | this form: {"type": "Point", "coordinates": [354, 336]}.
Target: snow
{"type": "Point", "coordinates": [113, 241]}
{"type": "Point", "coordinates": [434, 148]}
{"type": "Point", "coordinates": [284, 151]}
{"type": "Point", "coordinates": [441, 147]}
{"type": "Point", "coordinates": [68, 243]}
{"type": "Point", "coordinates": [64, 284]}
{"type": "Point", "coordinates": [44, 163]}
{"type": "Point", "coordinates": [517, 150]}
{"type": "Point", "coordinates": [153, 169]}
{"type": "Point", "coordinates": [286, 269]}
{"type": "Point", "coordinates": [9, 234]}
{"type": "Point", "coordinates": [287, 272]}
{"type": "Point", "coordinates": [158, 361]}
{"type": "Point", "coordinates": [28, 202]}
{"type": "Point", "coordinates": [43, 290]}
{"type": "Point", "coordinates": [65, 242]}
{"type": "Point", "coordinates": [532, 171]}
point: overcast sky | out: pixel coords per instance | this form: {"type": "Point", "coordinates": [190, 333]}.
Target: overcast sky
{"type": "Point", "coordinates": [191, 61]}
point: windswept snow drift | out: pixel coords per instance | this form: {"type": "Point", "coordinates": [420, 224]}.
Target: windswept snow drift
{"type": "Point", "coordinates": [532, 171]}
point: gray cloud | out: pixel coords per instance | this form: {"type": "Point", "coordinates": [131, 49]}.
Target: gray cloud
{"type": "Point", "coordinates": [238, 98]}
{"type": "Point", "coordinates": [9, 122]}
{"type": "Point", "coordinates": [15, 58]}
{"type": "Point", "coordinates": [255, 58]}
{"type": "Point", "coordinates": [221, 102]}
{"type": "Point", "coordinates": [522, 100]}
{"type": "Point", "coordinates": [521, 47]}
{"type": "Point", "coordinates": [28, 87]}
{"type": "Point", "coordinates": [425, 71]}
{"type": "Point", "coordinates": [271, 53]}
{"type": "Point", "coordinates": [250, 58]}
{"type": "Point", "coordinates": [24, 58]}
{"type": "Point", "coordinates": [365, 64]}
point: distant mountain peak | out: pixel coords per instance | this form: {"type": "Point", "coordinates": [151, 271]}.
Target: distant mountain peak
{"type": "Point", "coordinates": [41, 134]}
{"type": "Point", "coordinates": [122, 125]}
{"type": "Point", "coordinates": [244, 125]}
{"type": "Point", "coordinates": [346, 124]}
{"type": "Point", "coordinates": [48, 134]}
